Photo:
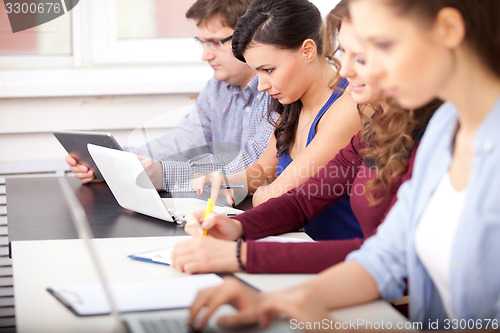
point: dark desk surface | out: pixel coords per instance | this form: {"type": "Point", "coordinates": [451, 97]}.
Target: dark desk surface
{"type": "Point", "coordinates": [36, 210]}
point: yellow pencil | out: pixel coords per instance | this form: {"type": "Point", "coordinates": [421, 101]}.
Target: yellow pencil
{"type": "Point", "coordinates": [208, 211]}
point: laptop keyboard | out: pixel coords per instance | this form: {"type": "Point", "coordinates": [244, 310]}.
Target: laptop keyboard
{"type": "Point", "coordinates": [167, 325]}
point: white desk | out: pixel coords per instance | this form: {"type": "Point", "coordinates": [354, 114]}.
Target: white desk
{"type": "Point", "coordinates": [39, 264]}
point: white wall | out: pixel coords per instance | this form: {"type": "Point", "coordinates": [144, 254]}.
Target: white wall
{"type": "Point", "coordinates": [325, 5]}
{"type": "Point", "coordinates": [26, 124]}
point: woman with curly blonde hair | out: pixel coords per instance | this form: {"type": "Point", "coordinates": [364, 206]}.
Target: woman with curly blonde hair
{"type": "Point", "coordinates": [370, 170]}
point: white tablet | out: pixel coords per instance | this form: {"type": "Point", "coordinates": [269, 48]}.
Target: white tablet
{"type": "Point", "coordinates": [75, 143]}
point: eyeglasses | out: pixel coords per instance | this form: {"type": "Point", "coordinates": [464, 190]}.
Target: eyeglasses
{"type": "Point", "coordinates": [213, 45]}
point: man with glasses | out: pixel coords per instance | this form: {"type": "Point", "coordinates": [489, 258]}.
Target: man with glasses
{"type": "Point", "coordinates": [229, 110]}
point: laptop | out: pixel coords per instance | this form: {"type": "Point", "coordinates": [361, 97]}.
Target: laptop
{"type": "Point", "coordinates": [132, 188]}
{"type": "Point", "coordinates": [147, 321]}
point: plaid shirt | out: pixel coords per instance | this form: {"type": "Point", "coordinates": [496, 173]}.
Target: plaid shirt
{"type": "Point", "coordinates": [227, 132]}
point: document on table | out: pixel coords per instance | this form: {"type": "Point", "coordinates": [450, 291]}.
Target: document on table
{"type": "Point", "coordinates": [170, 293]}
{"type": "Point", "coordinates": [161, 256]}
{"type": "Point", "coordinates": [280, 239]}
{"type": "Point", "coordinates": [164, 256]}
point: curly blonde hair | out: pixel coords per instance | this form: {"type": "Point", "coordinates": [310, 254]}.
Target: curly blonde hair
{"type": "Point", "coordinates": [391, 137]}
{"type": "Point", "coordinates": [391, 134]}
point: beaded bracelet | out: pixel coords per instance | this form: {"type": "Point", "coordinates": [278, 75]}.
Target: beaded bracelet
{"type": "Point", "coordinates": [238, 254]}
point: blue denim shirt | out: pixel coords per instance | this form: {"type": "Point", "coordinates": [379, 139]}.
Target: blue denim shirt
{"type": "Point", "coordinates": [390, 256]}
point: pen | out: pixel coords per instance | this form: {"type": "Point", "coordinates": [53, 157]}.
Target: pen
{"type": "Point", "coordinates": [210, 209]}
{"type": "Point", "coordinates": [223, 187]}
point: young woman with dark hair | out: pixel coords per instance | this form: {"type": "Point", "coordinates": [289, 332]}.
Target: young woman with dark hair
{"type": "Point", "coordinates": [283, 41]}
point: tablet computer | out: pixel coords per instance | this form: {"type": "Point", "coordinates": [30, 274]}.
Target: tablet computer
{"type": "Point", "coordinates": [75, 143]}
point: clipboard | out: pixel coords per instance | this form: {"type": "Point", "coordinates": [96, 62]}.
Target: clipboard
{"type": "Point", "coordinates": [160, 256]}
{"type": "Point", "coordinates": [89, 299]}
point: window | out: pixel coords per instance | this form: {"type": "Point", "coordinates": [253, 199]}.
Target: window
{"type": "Point", "coordinates": [96, 55]}
{"type": "Point", "coordinates": [104, 47]}
{"type": "Point", "coordinates": [51, 38]}
{"type": "Point", "coordinates": [153, 19]}
{"type": "Point", "coordinates": [142, 32]}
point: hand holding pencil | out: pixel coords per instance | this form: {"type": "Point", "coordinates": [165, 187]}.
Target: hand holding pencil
{"type": "Point", "coordinates": [208, 211]}
{"type": "Point", "coordinates": [202, 222]}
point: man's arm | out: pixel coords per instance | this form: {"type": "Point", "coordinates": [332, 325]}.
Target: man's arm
{"type": "Point", "coordinates": [224, 157]}
{"type": "Point", "coordinates": [260, 132]}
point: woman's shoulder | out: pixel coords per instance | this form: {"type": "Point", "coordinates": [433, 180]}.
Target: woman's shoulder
{"type": "Point", "coordinates": [344, 102]}
{"type": "Point", "coordinates": [343, 108]}
{"type": "Point", "coordinates": [341, 119]}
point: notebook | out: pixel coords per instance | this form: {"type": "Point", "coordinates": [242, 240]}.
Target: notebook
{"type": "Point", "coordinates": [145, 321]}
{"type": "Point", "coordinates": [132, 188]}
